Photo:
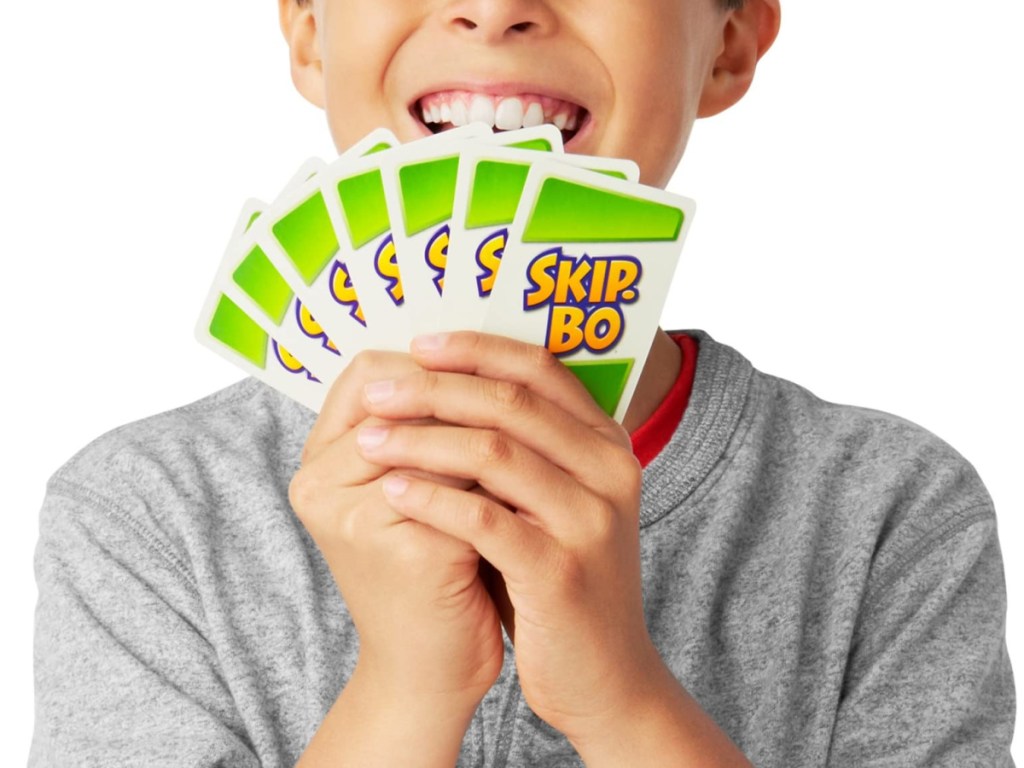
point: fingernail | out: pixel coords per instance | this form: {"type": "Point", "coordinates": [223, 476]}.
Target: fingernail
{"type": "Point", "coordinates": [379, 391]}
{"type": "Point", "coordinates": [430, 342]}
{"type": "Point", "coordinates": [395, 486]}
{"type": "Point", "coordinates": [371, 437]}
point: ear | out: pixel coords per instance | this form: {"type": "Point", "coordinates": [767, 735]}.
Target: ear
{"type": "Point", "coordinates": [747, 33]}
{"type": "Point", "coordinates": [299, 27]}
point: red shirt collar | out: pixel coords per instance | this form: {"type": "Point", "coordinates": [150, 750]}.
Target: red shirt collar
{"type": "Point", "coordinates": [653, 435]}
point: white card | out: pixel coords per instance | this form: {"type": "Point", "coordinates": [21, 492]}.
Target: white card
{"type": "Point", "coordinates": [487, 196]}
{"type": "Point", "coordinates": [297, 236]}
{"type": "Point", "coordinates": [419, 187]}
{"type": "Point", "coordinates": [586, 271]}
{"type": "Point", "coordinates": [357, 207]}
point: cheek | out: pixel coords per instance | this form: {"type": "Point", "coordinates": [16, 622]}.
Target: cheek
{"type": "Point", "coordinates": [353, 99]}
{"type": "Point", "coordinates": [657, 95]}
{"type": "Point", "coordinates": [654, 111]}
{"type": "Point", "coordinates": [357, 53]}
{"type": "Point", "coordinates": [350, 114]}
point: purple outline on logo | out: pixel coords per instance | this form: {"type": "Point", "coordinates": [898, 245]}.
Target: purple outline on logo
{"type": "Point", "coordinates": [322, 336]}
{"type": "Point", "coordinates": [284, 365]}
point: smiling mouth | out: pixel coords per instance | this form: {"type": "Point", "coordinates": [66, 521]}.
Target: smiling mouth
{"type": "Point", "coordinates": [449, 109]}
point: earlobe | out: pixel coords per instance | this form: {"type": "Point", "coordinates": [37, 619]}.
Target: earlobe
{"type": "Point", "coordinates": [747, 34]}
{"type": "Point", "coordinates": [299, 27]}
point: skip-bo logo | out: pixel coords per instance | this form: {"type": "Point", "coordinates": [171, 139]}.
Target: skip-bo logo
{"type": "Point", "coordinates": [291, 363]}
{"type": "Point", "coordinates": [311, 328]}
{"type": "Point", "coordinates": [584, 297]}
{"type": "Point", "coordinates": [385, 261]}
{"type": "Point", "coordinates": [436, 255]}
{"type": "Point", "coordinates": [488, 258]}
{"type": "Point", "coordinates": [343, 292]}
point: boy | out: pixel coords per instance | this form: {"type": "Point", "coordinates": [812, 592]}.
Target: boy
{"type": "Point", "coordinates": [824, 581]}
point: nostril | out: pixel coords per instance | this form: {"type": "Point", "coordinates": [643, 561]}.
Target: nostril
{"type": "Point", "coordinates": [467, 23]}
{"type": "Point", "coordinates": [523, 26]}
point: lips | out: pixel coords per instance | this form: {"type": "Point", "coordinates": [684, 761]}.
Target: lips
{"type": "Point", "coordinates": [446, 109]}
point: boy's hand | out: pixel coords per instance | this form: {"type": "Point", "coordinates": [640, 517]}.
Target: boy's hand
{"type": "Point", "coordinates": [531, 436]}
{"type": "Point", "coordinates": [427, 627]}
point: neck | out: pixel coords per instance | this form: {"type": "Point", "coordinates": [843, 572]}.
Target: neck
{"type": "Point", "coordinates": [659, 374]}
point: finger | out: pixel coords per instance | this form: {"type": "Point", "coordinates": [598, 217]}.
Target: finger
{"type": "Point", "coordinates": [520, 550]}
{"type": "Point", "coordinates": [356, 514]}
{"type": "Point", "coordinates": [472, 401]}
{"type": "Point", "coordinates": [343, 407]}
{"type": "Point", "coordinates": [342, 461]}
{"type": "Point", "coordinates": [530, 366]}
{"type": "Point", "coordinates": [329, 510]}
{"type": "Point", "coordinates": [551, 498]}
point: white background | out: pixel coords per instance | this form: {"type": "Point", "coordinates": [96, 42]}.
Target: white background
{"type": "Point", "coordinates": [859, 229]}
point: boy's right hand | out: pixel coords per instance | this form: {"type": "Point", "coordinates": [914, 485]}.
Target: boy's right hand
{"type": "Point", "coordinates": [427, 626]}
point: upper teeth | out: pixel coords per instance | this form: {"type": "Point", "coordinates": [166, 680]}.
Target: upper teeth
{"type": "Point", "coordinates": [503, 112]}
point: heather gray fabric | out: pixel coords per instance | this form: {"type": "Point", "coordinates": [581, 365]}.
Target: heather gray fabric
{"type": "Point", "coordinates": [825, 580]}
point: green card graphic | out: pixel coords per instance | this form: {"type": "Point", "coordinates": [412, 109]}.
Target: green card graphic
{"type": "Point", "coordinates": [567, 211]}
{"type": "Point", "coordinates": [261, 281]}
{"type": "Point", "coordinates": [238, 331]}
{"type": "Point", "coordinates": [307, 237]}
{"type": "Point", "coordinates": [605, 380]}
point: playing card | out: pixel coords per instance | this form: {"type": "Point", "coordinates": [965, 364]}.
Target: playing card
{"type": "Point", "coordinates": [227, 330]}
{"type": "Point", "coordinates": [297, 237]}
{"type": "Point", "coordinates": [585, 272]}
{"type": "Point", "coordinates": [352, 197]}
{"type": "Point", "coordinates": [409, 239]}
{"type": "Point", "coordinates": [487, 195]}
{"type": "Point", "coordinates": [419, 188]}
{"type": "Point", "coordinates": [248, 278]}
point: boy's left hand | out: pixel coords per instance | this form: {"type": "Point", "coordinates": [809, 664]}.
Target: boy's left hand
{"type": "Point", "coordinates": [565, 533]}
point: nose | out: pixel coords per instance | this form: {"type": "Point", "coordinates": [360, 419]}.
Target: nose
{"type": "Point", "coordinates": [493, 21]}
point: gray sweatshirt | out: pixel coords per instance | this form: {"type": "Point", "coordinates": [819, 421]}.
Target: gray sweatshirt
{"type": "Point", "coordinates": [825, 580]}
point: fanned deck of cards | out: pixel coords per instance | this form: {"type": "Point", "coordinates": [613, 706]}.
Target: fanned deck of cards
{"type": "Point", "coordinates": [466, 230]}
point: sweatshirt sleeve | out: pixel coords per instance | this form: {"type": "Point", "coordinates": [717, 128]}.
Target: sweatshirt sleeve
{"type": "Point", "coordinates": [123, 674]}
{"type": "Point", "coordinates": [928, 681]}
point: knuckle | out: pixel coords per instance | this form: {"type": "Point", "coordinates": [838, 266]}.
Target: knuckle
{"type": "Point", "coordinates": [569, 573]}
{"type": "Point", "coordinates": [467, 342]}
{"type": "Point", "coordinates": [623, 475]}
{"type": "Point", "coordinates": [543, 361]}
{"type": "Point", "coordinates": [620, 436]}
{"type": "Point", "coordinates": [431, 495]}
{"type": "Point", "coordinates": [361, 365]}
{"type": "Point", "coordinates": [602, 522]}
{"type": "Point", "coordinates": [303, 491]}
{"type": "Point", "coordinates": [492, 448]}
{"type": "Point", "coordinates": [429, 381]}
{"type": "Point", "coordinates": [347, 526]}
{"type": "Point", "coordinates": [372, 364]}
{"type": "Point", "coordinates": [631, 475]}
{"type": "Point", "coordinates": [508, 397]}
{"type": "Point", "coordinates": [480, 515]}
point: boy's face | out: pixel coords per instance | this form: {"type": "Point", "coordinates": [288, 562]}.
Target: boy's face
{"type": "Point", "coordinates": [623, 78]}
